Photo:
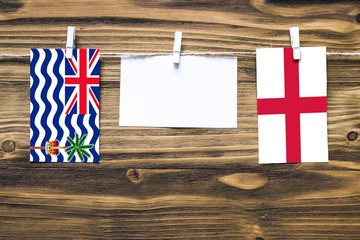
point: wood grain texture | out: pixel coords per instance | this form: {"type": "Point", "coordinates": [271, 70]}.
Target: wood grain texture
{"type": "Point", "coordinates": [166, 183]}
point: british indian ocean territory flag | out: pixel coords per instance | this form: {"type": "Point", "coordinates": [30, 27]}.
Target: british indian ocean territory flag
{"type": "Point", "coordinates": [292, 105]}
{"type": "Point", "coordinates": [64, 105]}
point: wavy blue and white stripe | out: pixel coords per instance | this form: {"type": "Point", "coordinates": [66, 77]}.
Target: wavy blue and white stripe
{"type": "Point", "coordinates": [48, 120]}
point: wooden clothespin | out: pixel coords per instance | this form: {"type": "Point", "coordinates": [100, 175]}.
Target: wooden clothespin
{"type": "Point", "coordinates": [295, 42]}
{"type": "Point", "coordinates": [70, 42]}
{"type": "Point", "coordinates": [177, 47]}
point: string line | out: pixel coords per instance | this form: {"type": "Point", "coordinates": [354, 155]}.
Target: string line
{"type": "Point", "coordinates": [129, 54]}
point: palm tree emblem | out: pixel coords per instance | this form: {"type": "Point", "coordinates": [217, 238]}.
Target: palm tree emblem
{"type": "Point", "coordinates": [78, 147]}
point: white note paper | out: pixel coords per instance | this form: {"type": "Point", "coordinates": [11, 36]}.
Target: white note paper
{"type": "Point", "coordinates": [200, 92]}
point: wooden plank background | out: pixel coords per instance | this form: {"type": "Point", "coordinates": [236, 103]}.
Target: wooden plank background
{"type": "Point", "coordinates": [180, 183]}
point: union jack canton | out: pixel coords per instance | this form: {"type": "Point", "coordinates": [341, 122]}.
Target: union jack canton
{"type": "Point", "coordinates": [82, 78]}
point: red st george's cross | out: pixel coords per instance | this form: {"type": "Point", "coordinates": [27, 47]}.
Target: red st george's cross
{"type": "Point", "coordinates": [292, 105]}
{"type": "Point", "coordinates": [83, 81]}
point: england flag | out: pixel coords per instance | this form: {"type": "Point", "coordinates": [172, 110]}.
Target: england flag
{"type": "Point", "coordinates": [292, 105]}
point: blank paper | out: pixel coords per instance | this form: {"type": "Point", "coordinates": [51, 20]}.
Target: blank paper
{"type": "Point", "coordinates": [200, 92]}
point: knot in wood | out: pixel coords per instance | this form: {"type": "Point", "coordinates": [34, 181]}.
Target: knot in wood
{"type": "Point", "coordinates": [358, 18]}
{"type": "Point", "coordinates": [352, 136]}
{"type": "Point", "coordinates": [259, 238]}
{"type": "Point", "coordinates": [8, 146]}
{"type": "Point", "coordinates": [135, 176]}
